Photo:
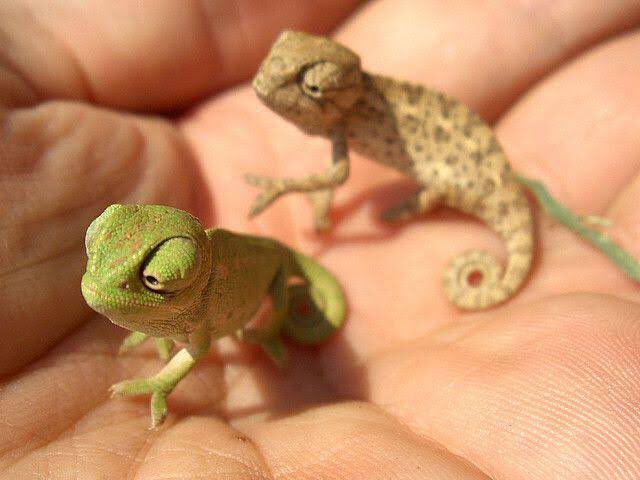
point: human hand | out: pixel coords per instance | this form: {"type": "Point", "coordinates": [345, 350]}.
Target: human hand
{"type": "Point", "coordinates": [545, 386]}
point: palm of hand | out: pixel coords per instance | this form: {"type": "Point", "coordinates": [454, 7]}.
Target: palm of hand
{"type": "Point", "coordinates": [543, 387]}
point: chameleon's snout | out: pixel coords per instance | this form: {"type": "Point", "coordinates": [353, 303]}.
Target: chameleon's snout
{"type": "Point", "coordinates": [259, 86]}
{"type": "Point", "coordinates": [97, 296]}
{"type": "Point", "coordinates": [263, 85]}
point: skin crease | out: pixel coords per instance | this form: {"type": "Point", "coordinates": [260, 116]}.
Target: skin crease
{"type": "Point", "coordinates": [545, 386]}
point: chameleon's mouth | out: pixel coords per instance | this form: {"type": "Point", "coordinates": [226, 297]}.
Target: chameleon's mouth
{"type": "Point", "coordinates": [109, 300]}
{"type": "Point", "coordinates": [131, 310]}
{"type": "Point", "coordinates": [91, 293]}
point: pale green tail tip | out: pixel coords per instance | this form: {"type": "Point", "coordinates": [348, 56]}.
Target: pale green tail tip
{"type": "Point", "coordinates": [306, 322]}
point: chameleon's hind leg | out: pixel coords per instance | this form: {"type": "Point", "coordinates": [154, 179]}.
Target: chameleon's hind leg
{"type": "Point", "coordinates": [268, 336]}
{"type": "Point", "coordinates": [306, 323]}
{"type": "Point", "coordinates": [419, 203]}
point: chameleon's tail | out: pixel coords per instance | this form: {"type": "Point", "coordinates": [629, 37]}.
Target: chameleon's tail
{"type": "Point", "coordinates": [316, 308]}
{"type": "Point", "coordinates": [475, 280]}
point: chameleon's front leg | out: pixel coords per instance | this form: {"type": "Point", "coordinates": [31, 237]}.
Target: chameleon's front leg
{"type": "Point", "coordinates": [164, 346]}
{"type": "Point", "coordinates": [327, 181]}
{"type": "Point", "coordinates": [161, 384]}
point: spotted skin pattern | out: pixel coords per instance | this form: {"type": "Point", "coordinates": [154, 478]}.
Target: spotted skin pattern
{"type": "Point", "coordinates": [453, 155]}
{"type": "Point", "coordinates": [156, 271]}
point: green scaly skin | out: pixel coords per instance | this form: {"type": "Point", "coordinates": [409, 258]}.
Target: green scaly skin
{"type": "Point", "coordinates": [156, 271]}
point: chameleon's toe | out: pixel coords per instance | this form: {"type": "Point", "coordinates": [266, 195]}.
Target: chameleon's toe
{"type": "Point", "coordinates": [159, 409]}
{"type": "Point", "coordinates": [136, 386]}
{"type": "Point", "coordinates": [262, 201]}
{"type": "Point", "coordinates": [257, 180]}
{"type": "Point", "coordinates": [257, 207]}
{"type": "Point", "coordinates": [306, 323]}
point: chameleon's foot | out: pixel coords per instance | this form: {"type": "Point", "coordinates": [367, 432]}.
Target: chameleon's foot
{"type": "Point", "coordinates": [272, 189]}
{"type": "Point", "coordinates": [305, 321]}
{"type": "Point", "coordinates": [142, 386]}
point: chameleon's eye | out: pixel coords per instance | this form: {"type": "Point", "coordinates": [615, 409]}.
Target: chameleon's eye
{"type": "Point", "coordinates": [312, 90]}
{"type": "Point", "coordinates": [172, 266]}
{"type": "Point", "coordinates": [313, 80]}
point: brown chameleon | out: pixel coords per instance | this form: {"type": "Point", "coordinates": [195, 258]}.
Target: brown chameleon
{"type": "Point", "coordinates": [318, 84]}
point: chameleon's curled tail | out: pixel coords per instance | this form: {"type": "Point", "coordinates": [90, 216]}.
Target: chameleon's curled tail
{"type": "Point", "coordinates": [475, 280]}
{"type": "Point", "coordinates": [316, 308]}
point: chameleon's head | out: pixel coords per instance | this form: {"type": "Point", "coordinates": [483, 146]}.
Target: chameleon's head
{"type": "Point", "coordinates": [147, 266]}
{"type": "Point", "coordinates": [310, 80]}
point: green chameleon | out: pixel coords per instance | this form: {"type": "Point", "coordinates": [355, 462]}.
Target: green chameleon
{"type": "Point", "coordinates": [156, 271]}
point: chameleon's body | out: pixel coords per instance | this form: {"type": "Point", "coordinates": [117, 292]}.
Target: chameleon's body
{"type": "Point", "coordinates": [155, 270]}
{"type": "Point", "coordinates": [447, 149]}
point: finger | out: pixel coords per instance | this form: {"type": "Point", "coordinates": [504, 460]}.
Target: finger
{"type": "Point", "coordinates": [186, 451]}
{"type": "Point", "coordinates": [552, 387]}
{"type": "Point", "coordinates": [62, 164]}
{"type": "Point", "coordinates": [577, 131]}
{"type": "Point", "coordinates": [354, 441]}
{"type": "Point", "coordinates": [56, 419]}
{"type": "Point", "coordinates": [484, 53]}
{"type": "Point", "coordinates": [147, 55]}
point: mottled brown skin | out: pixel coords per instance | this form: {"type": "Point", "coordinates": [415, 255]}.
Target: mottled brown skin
{"type": "Point", "coordinates": [454, 156]}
